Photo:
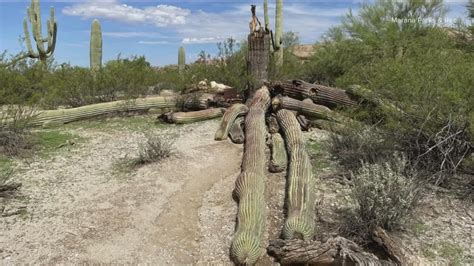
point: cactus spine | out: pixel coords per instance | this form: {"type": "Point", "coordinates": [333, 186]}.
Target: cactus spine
{"type": "Point", "coordinates": [34, 16]}
{"type": "Point", "coordinates": [300, 190]}
{"type": "Point", "coordinates": [279, 32]}
{"type": "Point", "coordinates": [230, 115]}
{"type": "Point", "coordinates": [250, 187]}
{"type": "Point", "coordinates": [181, 59]}
{"type": "Point", "coordinates": [96, 46]}
{"type": "Point", "coordinates": [196, 116]}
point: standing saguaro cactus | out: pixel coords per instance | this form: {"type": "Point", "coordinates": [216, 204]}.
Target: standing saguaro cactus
{"type": "Point", "coordinates": [96, 46]}
{"type": "Point", "coordinates": [34, 16]}
{"type": "Point", "coordinates": [181, 59]}
{"type": "Point", "coordinates": [279, 32]}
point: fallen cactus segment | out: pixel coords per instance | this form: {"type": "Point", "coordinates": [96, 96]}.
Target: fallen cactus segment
{"type": "Point", "coordinates": [307, 109]}
{"type": "Point", "coordinates": [236, 132]}
{"type": "Point", "coordinates": [229, 117]}
{"type": "Point", "coordinates": [300, 196]}
{"type": "Point", "coordinates": [250, 186]}
{"type": "Point", "coordinates": [63, 116]}
{"type": "Point", "coordinates": [191, 117]}
{"type": "Point", "coordinates": [279, 160]}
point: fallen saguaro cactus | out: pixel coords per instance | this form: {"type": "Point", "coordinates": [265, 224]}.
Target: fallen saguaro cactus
{"type": "Point", "coordinates": [279, 158]}
{"type": "Point", "coordinates": [308, 109]}
{"type": "Point", "coordinates": [63, 116]}
{"type": "Point", "coordinates": [300, 189]}
{"type": "Point", "coordinates": [229, 117]}
{"type": "Point", "coordinates": [191, 117]}
{"type": "Point", "coordinates": [324, 95]}
{"type": "Point", "coordinates": [249, 186]}
{"type": "Point", "coordinates": [236, 132]}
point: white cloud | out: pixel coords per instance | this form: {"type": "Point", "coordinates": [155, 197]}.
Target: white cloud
{"type": "Point", "coordinates": [203, 40]}
{"type": "Point", "coordinates": [160, 15]}
{"type": "Point", "coordinates": [154, 42]}
{"type": "Point", "coordinates": [129, 34]}
{"type": "Point", "coordinates": [309, 21]}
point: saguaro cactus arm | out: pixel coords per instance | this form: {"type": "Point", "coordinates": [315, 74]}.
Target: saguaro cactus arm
{"type": "Point", "coordinates": [300, 189]}
{"type": "Point", "coordinates": [230, 115]}
{"type": "Point", "coordinates": [279, 32]}
{"type": "Point", "coordinates": [279, 160]}
{"type": "Point", "coordinates": [191, 117]}
{"type": "Point", "coordinates": [236, 132]}
{"type": "Point", "coordinates": [265, 15]}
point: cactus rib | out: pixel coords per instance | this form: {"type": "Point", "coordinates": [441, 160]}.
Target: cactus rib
{"type": "Point", "coordinates": [300, 190]}
{"type": "Point", "coordinates": [230, 115]}
{"type": "Point", "coordinates": [249, 186]}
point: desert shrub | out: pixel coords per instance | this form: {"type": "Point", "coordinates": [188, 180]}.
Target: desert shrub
{"type": "Point", "coordinates": [355, 145]}
{"type": "Point", "coordinates": [69, 86]}
{"type": "Point", "coordinates": [384, 195]}
{"type": "Point", "coordinates": [155, 149]}
{"type": "Point", "coordinates": [129, 78]}
{"type": "Point", "coordinates": [14, 128]}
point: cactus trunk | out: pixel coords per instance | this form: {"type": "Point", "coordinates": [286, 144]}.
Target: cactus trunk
{"type": "Point", "coordinates": [34, 16]}
{"type": "Point", "coordinates": [181, 59]}
{"type": "Point", "coordinates": [300, 196]}
{"type": "Point", "coordinates": [249, 187]}
{"type": "Point", "coordinates": [53, 117]}
{"type": "Point", "coordinates": [96, 46]}
{"type": "Point", "coordinates": [230, 115]}
{"type": "Point", "coordinates": [236, 132]}
{"type": "Point", "coordinates": [279, 32]}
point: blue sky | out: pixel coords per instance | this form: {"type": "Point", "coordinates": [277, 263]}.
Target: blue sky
{"type": "Point", "coordinates": [156, 29]}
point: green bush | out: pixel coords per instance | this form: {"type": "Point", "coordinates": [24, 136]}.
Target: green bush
{"type": "Point", "coordinates": [384, 195]}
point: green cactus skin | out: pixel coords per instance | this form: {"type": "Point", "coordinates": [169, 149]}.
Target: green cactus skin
{"type": "Point", "coordinates": [181, 59]}
{"type": "Point", "coordinates": [196, 116]}
{"type": "Point", "coordinates": [96, 46]}
{"type": "Point", "coordinates": [309, 109]}
{"type": "Point", "coordinates": [265, 15]}
{"type": "Point", "coordinates": [230, 115]}
{"type": "Point", "coordinates": [236, 132]}
{"type": "Point", "coordinates": [279, 32]}
{"type": "Point", "coordinates": [250, 187]}
{"type": "Point", "coordinates": [63, 116]}
{"type": "Point", "coordinates": [34, 16]}
{"type": "Point", "coordinates": [300, 197]}
{"type": "Point", "coordinates": [279, 160]}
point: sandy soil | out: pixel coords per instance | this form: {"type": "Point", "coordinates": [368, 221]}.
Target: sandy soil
{"type": "Point", "coordinates": [79, 209]}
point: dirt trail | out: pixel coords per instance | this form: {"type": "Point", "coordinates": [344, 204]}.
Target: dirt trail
{"type": "Point", "coordinates": [80, 211]}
